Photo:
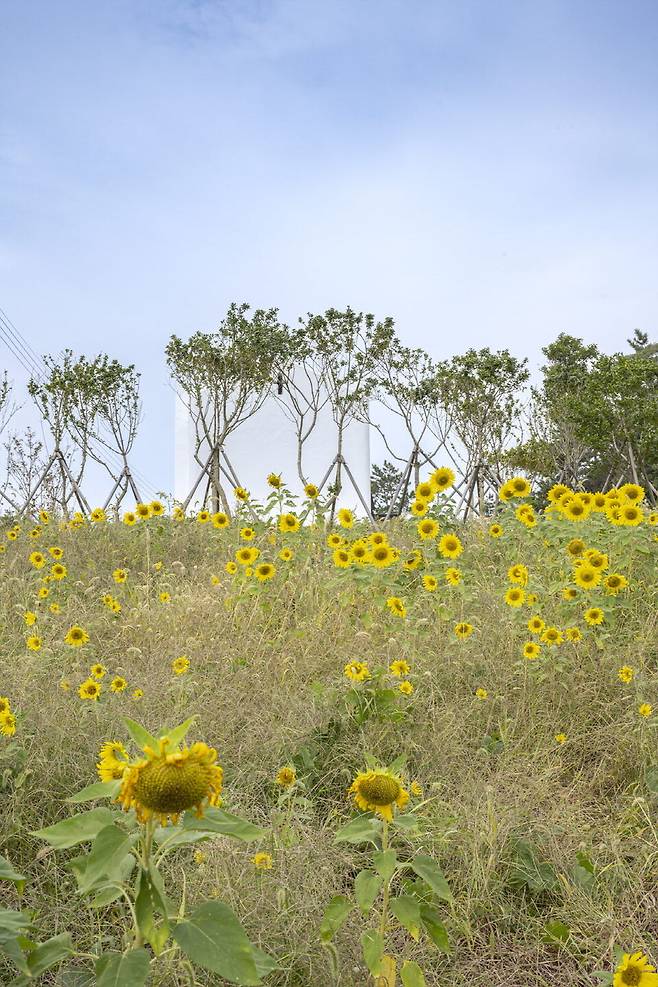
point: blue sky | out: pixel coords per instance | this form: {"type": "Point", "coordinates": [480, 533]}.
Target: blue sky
{"type": "Point", "coordinates": [483, 172]}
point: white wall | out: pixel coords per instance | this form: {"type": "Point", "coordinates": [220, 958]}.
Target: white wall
{"type": "Point", "coordinates": [266, 444]}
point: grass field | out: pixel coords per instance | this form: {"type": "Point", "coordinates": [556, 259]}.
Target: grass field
{"type": "Point", "coordinates": [532, 771]}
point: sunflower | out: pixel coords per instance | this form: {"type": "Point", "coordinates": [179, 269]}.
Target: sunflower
{"type": "Point", "coordinates": [119, 575]}
{"type": "Point", "coordinates": [274, 480]}
{"type": "Point", "coordinates": [399, 668]}
{"type": "Point", "coordinates": [220, 519]}
{"type": "Point", "coordinates": [7, 724]}
{"type": "Point", "coordinates": [515, 597]}
{"type": "Point", "coordinates": [573, 634]}
{"type": "Point", "coordinates": [430, 582]}
{"type": "Point", "coordinates": [378, 538]}
{"type": "Point", "coordinates": [557, 491]}
{"type": "Point", "coordinates": [180, 666]}
{"type": "Point", "coordinates": [38, 560]}
{"type": "Point", "coordinates": [97, 671]}
{"type": "Point", "coordinates": [262, 861]}
{"type": "Point", "coordinates": [396, 606]}
{"type": "Point", "coordinates": [113, 761]}
{"type": "Point", "coordinates": [43, 593]}
{"type": "Point", "coordinates": [163, 785]}
{"type": "Point", "coordinates": [286, 776]}
{"type": "Point", "coordinates": [531, 650]}
{"type": "Point", "coordinates": [632, 492]}
{"type": "Point", "coordinates": [593, 616]}
{"type": "Point", "coordinates": [98, 515]}
{"type": "Point", "coordinates": [247, 556]}
{"type": "Point", "coordinates": [264, 571]}
{"type": "Point", "coordinates": [505, 493]}
{"type": "Point", "coordinates": [30, 617]}
{"type": "Point", "coordinates": [360, 552]}
{"type": "Point", "coordinates": [463, 629]}
{"type": "Point", "coordinates": [496, 530]}
{"type": "Point", "coordinates": [406, 688]}
{"type": "Point", "coordinates": [342, 558]}
{"type": "Point", "coordinates": [453, 576]}
{"type": "Point", "coordinates": [413, 561]}
{"type": "Point", "coordinates": [614, 583]}
{"type": "Point", "coordinates": [137, 694]}
{"type": "Point", "coordinates": [519, 486]}
{"type": "Point", "coordinates": [164, 597]}
{"type": "Point", "coordinates": [442, 478]}
{"type": "Point", "coordinates": [645, 709]}
{"type": "Point", "coordinates": [586, 576]}
{"type": "Point", "coordinates": [598, 560]}
{"type": "Point", "coordinates": [357, 671]}
{"type": "Point", "coordinates": [335, 540]}
{"type": "Point", "coordinates": [598, 502]}
{"type": "Point", "coordinates": [203, 517]}
{"type": "Point", "coordinates": [481, 693]}
{"type": "Point", "coordinates": [89, 690]}
{"type": "Point", "coordinates": [575, 510]}
{"type": "Point", "coordinates": [626, 674]}
{"type": "Point", "coordinates": [631, 515]}
{"type": "Point", "coordinates": [143, 511]}
{"type": "Point", "coordinates": [419, 508]}
{"type": "Point", "coordinates": [450, 547]}
{"type": "Point", "coordinates": [58, 571]}
{"type": "Point", "coordinates": [635, 971]}
{"type": "Point", "coordinates": [44, 516]}
{"type": "Point", "coordinates": [286, 555]}
{"type": "Point", "coordinates": [378, 791]}
{"type": "Point", "coordinates": [118, 684]}
{"type": "Point", "coordinates": [289, 522]}
{"type": "Point", "coordinates": [518, 574]}
{"type": "Point", "coordinates": [130, 518]}
{"type": "Point", "coordinates": [247, 534]}
{"type": "Point", "coordinates": [382, 555]}
{"type": "Point", "coordinates": [76, 636]}
{"type": "Point", "coordinates": [345, 518]}
{"type": "Point", "coordinates": [576, 547]}
{"type": "Point", "coordinates": [34, 643]}
{"type": "Point", "coordinates": [569, 592]}
{"type": "Point", "coordinates": [552, 636]}
{"type": "Point", "coordinates": [311, 491]}
{"type": "Point", "coordinates": [231, 568]}
{"type": "Point", "coordinates": [425, 490]}
{"type": "Point", "coordinates": [428, 528]}
{"type": "Point", "coordinates": [178, 514]}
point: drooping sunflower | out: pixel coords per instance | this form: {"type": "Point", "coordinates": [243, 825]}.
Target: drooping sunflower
{"type": "Point", "coordinates": [378, 791]}
{"type": "Point", "coordinates": [274, 480]}
{"type": "Point", "coordinates": [241, 494]}
{"type": "Point", "coordinates": [413, 561]}
{"type": "Point", "coordinates": [286, 776]}
{"type": "Point", "coordinates": [598, 560]}
{"type": "Point", "coordinates": [450, 547]}
{"type": "Point", "coordinates": [576, 547]}
{"type": "Point", "coordinates": [163, 785]}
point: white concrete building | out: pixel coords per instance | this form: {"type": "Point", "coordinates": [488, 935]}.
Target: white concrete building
{"type": "Point", "coordinates": [266, 443]}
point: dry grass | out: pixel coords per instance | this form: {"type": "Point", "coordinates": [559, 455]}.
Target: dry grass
{"type": "Point", "coordinates": [266, 684]}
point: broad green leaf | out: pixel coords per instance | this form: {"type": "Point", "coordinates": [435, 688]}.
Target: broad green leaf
{"type": "Point", "coordinates": [334, 915]}
{"type": "Point", "coordinates": [363, 829]}
{"type": "Point", "coordinates": [179, 733]}
{"type": "Point", "coordinates": [219, 821]}
{"type": "Point", "coordinates": [385, 863]}
{"type": "Point", "coordinates": [47, 954]}
{"type": "Point", "coordinates": [14, 922]}
{"type": "Point", "coordinates": [412, 975]}
{"type": "Point", "coordinates": [407, 911]}
{"type": "Point", "coordinates": [427, 868]}
{"type": "Point", "coordinates": [407, 824]}
{"type": "Point", "coordinates": [366, 888]}
{"type": "Point", "coordinates": [7, 873]}
{"type": "Point", "coordinates": [435, 928]}
{"type": "Point", "coordinates": [372, 943]}
{"type": "Point", "coordinates": [150, 902]}
{"type": "Point", "coordinates": [175, 836]}
{"type": "Point", "coordinates": [139, 734]}
{"type": "Point", "coordinates": [99, 790]}
{"type": "Point", "coordinates": [105, 894]}
{"type": "Point", "coordinates": [122, 969]}
{"type": "Point", "coordinates": [105, 859]}
{"type": "Point", "coordinates": [77, 829]}
{"type": "Point", "coordinates": [556, 932]}
{"type": "Point", "coordinates": [213, 938]}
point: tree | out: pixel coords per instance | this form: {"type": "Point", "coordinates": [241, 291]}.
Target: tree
{"type": "Point", "coordinates": [384, 482]}
{"type": "Point", "coordinates": [223, 379]}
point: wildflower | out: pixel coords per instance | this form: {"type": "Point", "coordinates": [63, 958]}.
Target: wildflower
{"type": "Point", "coordinates": [89, 690]}
{"type": "Point", "coordinates": [311, 491]}
{"type": "Point", "coordinates": [264, 571]}
{"type": "Point", "coordinates": [645, 709]}
{"type": "Point", "coordinates": [221, 520]}
{"type": "Point", "coordinates": [614, 583]}
{"type": "Point", "coordinates": [536, 625]}
{"type": "Point", "coordinates": [118, 684]}
{"type": "Point", "coordinates": [573, 634]}
{"type": "Point", "coordinates": [560, 738]}
{"type": "Point", "coordinates": [163, 784]}
{"type": "Point", "coordinates": [635, 971]}
{"type": "Point", "coordinates": [180, 666]}
{"type": "Point", "coordinates": [97, 671]}
{"type": "Point", "coordinates": [531, 650]}
{"type": "Point", "coordinates": [345, 518]}
{"type": "Point", "coordinates": [113, 761]}
{"type": "Point", "coordinates": [463, 629]}
{"type": "Point", "coordinates": [406, 688]}
{"type": "Point", "coordinates": [262, 861]}
{"type": "Point", "coordinates": [481, 693]}
{"type": "Point", "coordinates": [378, 791]}
{"type": "Point", "coordinates": [399, 667]}
{"type": "Point", "coordinates": [76, 636]}
{"type": "Point", "coordinates": [430, 582]}
{"type": "Point", "coordinates": [165, 597]}
{"type": "Point", "coordinates": [594, 615]}
{"type": "Point", "coordinates": [215, 580]}
{"type": "Point", "coordinates": [442, 478]}
{"type": "Point", "coordinates": [34, 643]}
{"type": "Point", "coordinates": [453, 576]}
{"type": "Point", "coordinates": [396, 606]}
{"type": "Point", "coordinates": [286, 776]}
{"type": "Point", "coordinates": [30, 617]}
{"type": "Point", "coordinates": [428, 528]}
{"type": "Point", "coordinates": [450, 547]}
{"type": "Point", "coordinates": [357, 671]}
{"type": "Point", "coordinates": [137, 694]}
{"type": "Point", "coordinates": [7, 724]}
{"type": "Point", "coordinates": [626, 674]}
{"type": "Point", "coordinates": [496, 530]}
{"type": "Point", "coordinates": [143, 511]}
{"type": "Point", "coordinates": [515, 597]}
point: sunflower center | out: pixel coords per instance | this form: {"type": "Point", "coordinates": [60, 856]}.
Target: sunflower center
{"type": "Point", "coordinates": [632, 976]}
{"type": "Point", "coordinates": [380, 789]}
{"type": "Point", "coordinates": [172, 787]}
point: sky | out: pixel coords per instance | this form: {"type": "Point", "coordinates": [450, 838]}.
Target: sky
{"type": "Point", "coordinates": [483, 172]}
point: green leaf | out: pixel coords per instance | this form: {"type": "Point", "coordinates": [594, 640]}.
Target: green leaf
{"type": "Point", "coordinates": [141, 736]}
{"type": "Point", "coordinates": [99, 790]}
{"type": "Point", "coordinates": [366, 888]}
{"type": "Point", "coordinates": [362, 829]}
{"type": "Point", "coordinates": [214, 939]}
{"type": "Point", "coordinates": [555, 932]}
{"type": "Point", "coordinates": [408, 824]}
{"type": "Point", "coordinates": [372, 943]}
{"type": "Point", "coordinates": [334, 915]}
{"type": "Point", "coordinates": [427, 868]}
{"type": "Point", "coordinates": [47, 954]}
{"type": "Point", "coordinates": [105, 859]}
{"type": "Point", "coordinates": [412, 975]}
{"type": "Point", "coordinates": [150, 902]}
{"type": "Point", "coordinates": [385, 862]}
{"type": "Point", "coordinates": [435, 928]}
{"type": "Point", "coordinates": [7, 873]}
{"type": "Point", "coordinates": [77, 829]}
{"type": "Point", "coordinates": [178, 733]}
{"type": "Point", "coordinates": [219, 821]}
{"type": "Point", "coordinates": [122, 969]}
{"type": "Point", "coordinates": [528, 871]}
{"type": "Point", "coordinates": [407, 911]}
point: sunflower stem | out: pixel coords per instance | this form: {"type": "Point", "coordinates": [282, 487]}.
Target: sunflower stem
{"type": "Point", "coordinates": [384, 916]}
